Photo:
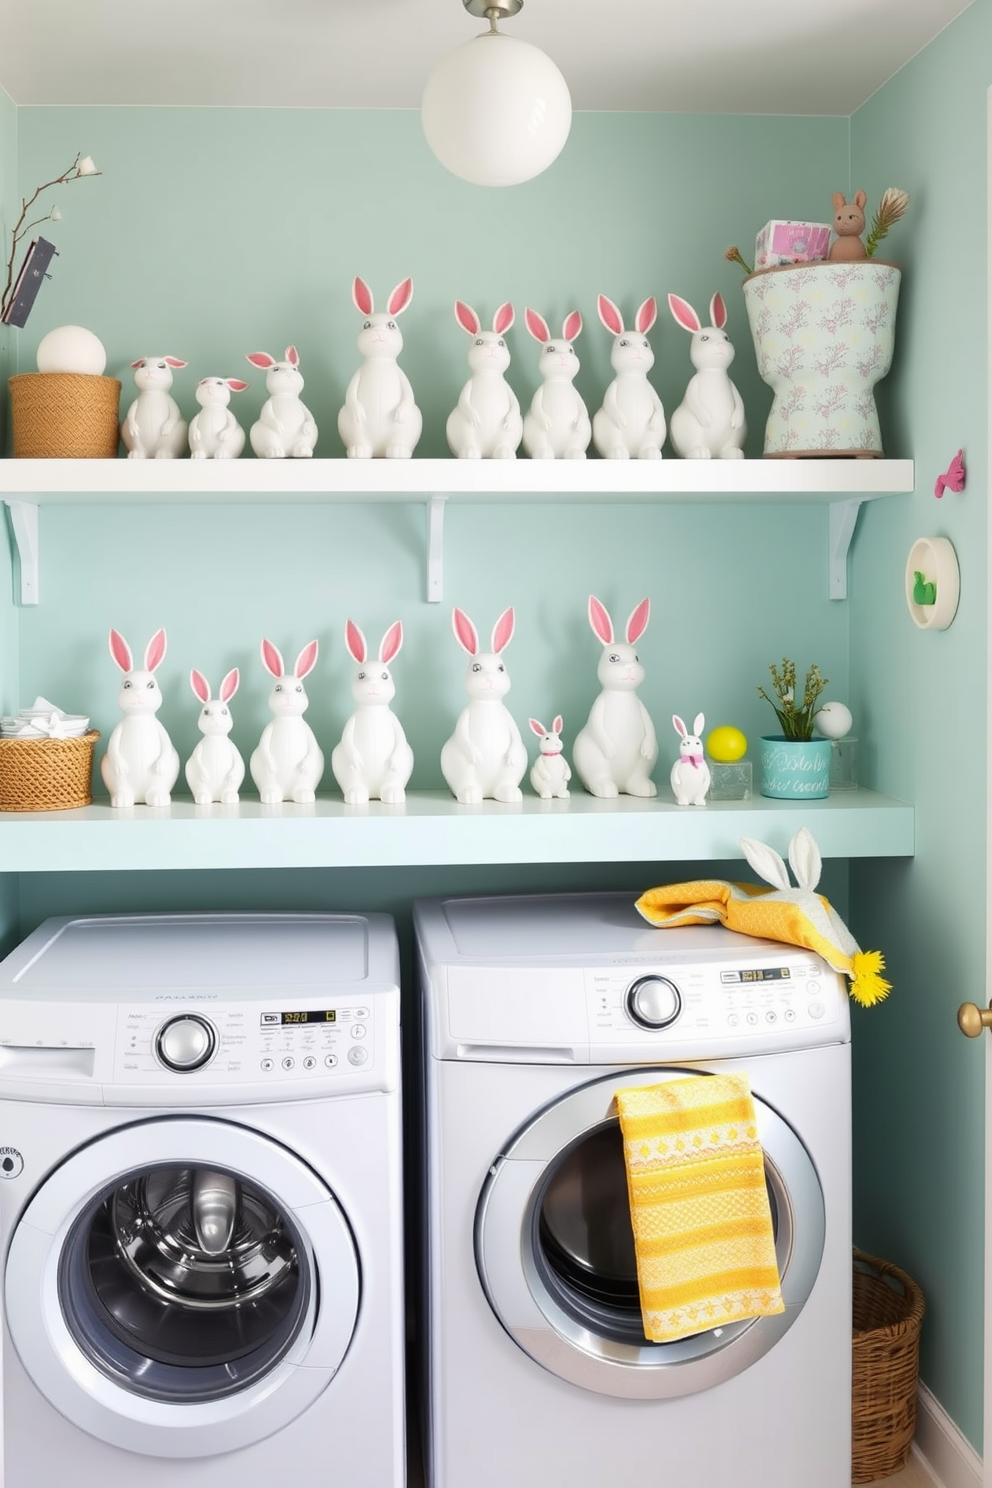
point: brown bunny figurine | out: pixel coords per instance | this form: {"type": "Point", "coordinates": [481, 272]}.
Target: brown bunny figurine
{"type": "Point", "coordinates": [849, 224]}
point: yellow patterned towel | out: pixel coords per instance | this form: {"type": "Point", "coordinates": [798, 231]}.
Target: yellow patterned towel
{"type": "Point", "coordinates": [703, 1236]}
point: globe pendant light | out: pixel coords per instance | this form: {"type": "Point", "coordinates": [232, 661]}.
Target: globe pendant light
{"type": "Point", "coordinates": [496, 111]}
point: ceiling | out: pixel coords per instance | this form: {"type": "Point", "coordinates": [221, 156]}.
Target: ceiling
{"type": "Point", "coordinates": [703, 56]}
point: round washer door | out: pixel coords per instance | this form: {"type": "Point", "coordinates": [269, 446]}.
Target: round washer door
{"type": "Point", "coordinates": [555, 1250]}
{"type": "Point", "coordinates": [182, 1287]}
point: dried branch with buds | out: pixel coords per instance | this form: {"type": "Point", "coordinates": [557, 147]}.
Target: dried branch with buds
{"type": "Point", "coordinates": [892, 206]}
{"type": "Point", "coordinates": [81, 166]}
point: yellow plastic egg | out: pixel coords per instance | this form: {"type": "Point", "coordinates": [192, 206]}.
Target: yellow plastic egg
{"type": "Point", "coordinates": [726, 744]}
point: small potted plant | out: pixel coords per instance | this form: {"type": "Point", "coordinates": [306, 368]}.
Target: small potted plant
{"type": "Point", "coordinates": [794, 765]}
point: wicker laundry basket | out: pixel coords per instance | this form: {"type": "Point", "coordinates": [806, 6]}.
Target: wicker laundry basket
{"type": "Point", "coordinates": [888, 1313]}
{"type": "Point", "coordinates": [46, 774]}
{"type": "Point", "coordinates": [64, 416]}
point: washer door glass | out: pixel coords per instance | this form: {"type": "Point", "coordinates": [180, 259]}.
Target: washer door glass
{"type": "Point", "coordinates": [182, 1286]}
{"type": "Point", "coordinates": [188, 1283]}
{"type": "Point", "coordinates": [555, 1250]}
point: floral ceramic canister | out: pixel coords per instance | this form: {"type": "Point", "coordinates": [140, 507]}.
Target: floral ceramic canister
{"type": "Point", "coordinates": [823, 336]}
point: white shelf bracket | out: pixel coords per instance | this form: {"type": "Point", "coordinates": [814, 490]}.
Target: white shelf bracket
{"type": "Point", "coordinates": [843, 520]}
{"type": "Point", "coordinates": [435, 549]}
{"type": "Point", "coordinates": [24, 522]}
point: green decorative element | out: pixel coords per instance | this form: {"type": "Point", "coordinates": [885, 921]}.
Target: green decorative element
{"type": "Point", "coordinates": [924, 593]}
{"type": "Point", "coordinates": [796, 720]}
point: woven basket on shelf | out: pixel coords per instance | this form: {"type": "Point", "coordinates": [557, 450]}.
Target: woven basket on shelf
{"type": "Point", "coordinates": [46, 774]}
{"type": "Point", "coordinates": [64, 416]}
{"type": "Point", "coordinates": [888, 1313]}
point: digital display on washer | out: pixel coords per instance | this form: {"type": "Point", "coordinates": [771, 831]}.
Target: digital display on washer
{"type": "Point", "coordinates": [310, 1015]}
{"type": "Point", "coordinates": [757, 974]}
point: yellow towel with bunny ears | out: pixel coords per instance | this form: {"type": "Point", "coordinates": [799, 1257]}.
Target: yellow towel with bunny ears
{"type": "Point", "coordinates": [703, 1237]}
{"type": "Point", "coordinates": [797, 916]}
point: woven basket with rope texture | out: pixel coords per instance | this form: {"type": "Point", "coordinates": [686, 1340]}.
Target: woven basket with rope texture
{"type": "Point", "coordinates": [64, 416]}
{"type": "Point", "coordinates": [888, 1313]}
{"type": "Point", "coordinates": [46, 774]}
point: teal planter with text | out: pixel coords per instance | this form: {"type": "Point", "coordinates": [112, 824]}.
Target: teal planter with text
{"type": "Point", "coordinates": [795, 769]}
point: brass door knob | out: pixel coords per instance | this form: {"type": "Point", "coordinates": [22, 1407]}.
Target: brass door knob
{"type": "Point", "coordinates": [972, 1019]}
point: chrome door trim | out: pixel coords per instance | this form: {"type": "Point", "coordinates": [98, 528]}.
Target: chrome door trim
{"type": "Point", "coordinates": [516, 1284]}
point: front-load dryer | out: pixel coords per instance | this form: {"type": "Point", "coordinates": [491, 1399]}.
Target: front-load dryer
{"type": "Point", "coordinates": [200, 1202]}
{"type": "Point", "coordinates": [538, 1373]}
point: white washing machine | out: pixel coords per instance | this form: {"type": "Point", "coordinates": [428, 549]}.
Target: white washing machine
{"type": "Point", "coordinates": [538, 1371]}
{"type": "Point", "coordinates": [200, 1202]}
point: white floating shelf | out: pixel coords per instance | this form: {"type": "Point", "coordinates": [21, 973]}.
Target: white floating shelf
{"type": "Point", "coordinates": [431, 829]}
{"type": "Point", "coordinates": [842, 484]}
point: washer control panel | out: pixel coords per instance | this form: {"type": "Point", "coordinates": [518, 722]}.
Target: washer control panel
{"type": "Point", "coordinates": [239, 1042]}
{"type": "Point", "coordinates": [776, 994]}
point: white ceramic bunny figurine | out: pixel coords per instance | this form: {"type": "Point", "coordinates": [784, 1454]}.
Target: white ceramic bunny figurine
{"type": "Point", "coordinates": [215, 769]}
{"type": "Point", "coordinates": [549, 774]}
{"type": "Point", "coordinates": [153, 427]}
{"type": "Point", "coordinates": [690, 772]}
{"type": "Point", "coordinates": [288, 762]}
{"type": "Point", "coordinates": [617, 749]}
{"type": "Point", "coordinates": [214, 432]}
{"type": "Point", "coordinates": [285, 428]}
{"type": "Point", "coordinates": [485, 757]}
{"type": "Point", "coordinates": [709, 422]}
{"type": "Point", "coordinates": [140, 764]}
{"type": "Point", "coordinates": [373, 760]}
{"type": "Point", "coordinates": [380, 417]}
{"type": "Point", "coordinates": [631, 423]}
{"type": "Point", "coordinates": [557, 426]}
{"type": "Point", "coordinates": [486, 423]}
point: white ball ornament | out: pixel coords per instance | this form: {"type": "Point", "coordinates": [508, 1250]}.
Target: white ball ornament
{"type": "Point", "coordinates": [833, 721]}
{"type": "Point", "coordinates": [72, 349]}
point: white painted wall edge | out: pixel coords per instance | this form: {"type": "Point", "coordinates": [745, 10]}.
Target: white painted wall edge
{"type": "Point", "coordinates": [946, 1454]}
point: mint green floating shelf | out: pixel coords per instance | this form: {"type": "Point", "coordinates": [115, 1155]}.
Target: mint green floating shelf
{"type": "Point", "coordinates": [431, 829]}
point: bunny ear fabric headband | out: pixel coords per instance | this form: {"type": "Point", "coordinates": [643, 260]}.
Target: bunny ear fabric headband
{"type": "Point", "coordinates": [797, 916]}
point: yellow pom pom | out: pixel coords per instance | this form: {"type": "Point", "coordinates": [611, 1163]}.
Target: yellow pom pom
{"type": "Point", "coordinates": [868, 986]}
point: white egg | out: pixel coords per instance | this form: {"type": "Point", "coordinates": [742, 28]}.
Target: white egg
{"type": "Point", "coordinates": [72, 349]}
{"type": "Point", "coordinates": [833, 720]}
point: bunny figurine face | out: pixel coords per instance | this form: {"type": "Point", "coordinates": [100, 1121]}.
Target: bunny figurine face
{"type": "Point", "coordinates": [631, 350]}
{"type": "Point", "coordinates": [215, 392]}
{"type": "Point", "coordinates": [139, 691]}
{"type": "Point", "coordinates": [560, 359]}
{"type": "Point", "coordinates": [488, 351]}
{"type": "Point", "coordinates": [288, 697]}
{"type": "Point", "coordinates": [154, 373]}
{"type": "Point", "coordinates": [486, 676]}
{"type": "Point", "coordinates": [373, 682]}
{"type": "Point", "coordinates": [215, 716]}
{"type": "Point", "coordinates": [619, 668]}
{"type": "Point", "coordinates": [380, 335]}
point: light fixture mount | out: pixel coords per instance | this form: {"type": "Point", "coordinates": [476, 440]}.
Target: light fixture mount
{"type": "Point", "coordinates": [493, 10]}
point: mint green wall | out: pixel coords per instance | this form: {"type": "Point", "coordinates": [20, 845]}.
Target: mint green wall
{"type": "Point", "coordinates": [919, 1086]}
{"type": "Point", "coordinates": [212, 233]}
{"type": "Point", "coordinates": [10, 208]}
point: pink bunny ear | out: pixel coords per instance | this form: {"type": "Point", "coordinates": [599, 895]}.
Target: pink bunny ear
{"type": "Point", "coordinates": [355, 641]}
{"type": "Point", "coordinates": [680, 727]}
{"type": "Point", "coordinates": [200, 685]}
{"type": "Point", "coordinates": [537, 326]}
{"type": "Point", "coordinates": [536, 727]}
{"type": "Point", "coordinates": [558, 724]}
{"type": "Point", "coordinates": [155, 650]}
{"type": "Point", "coordinates": [467, 318]}
{"type": "Point", "coordinates": [292, 356]}
{"type": "Point", "coordinates": [503, 630]}
{"type": "Point", "coordinates": [638, 622]}
{"type": "Point", "coordinates": [261, 359]}
{"type": "Point", "coordinates": [683, 312]}
{"type": "Point", "coordinates": [647, 314]}
{"type": "Point", "coordinates": [362, 296]}
{"type": "Point", "coordinates": [173, 362]}
{"type": "Point", "coordinates": [229, 686]}
{"type": "Point", "coordinates": [391, 642]}
{"type": "Point", "coordinates": [599, 619]}
{"type": "Point", "coordinates": [400, 297]}
{"type": "Point", "coordinates": [139, 363]}
{"type": "Point", "coordinates": [503, 319]}
{"type": "Point", "coordinates": [235, 384]}
{"type": "Point", "coordinates": [306, 661]}
{"type": "Point", "coordinates": [272, 660]}
{"type": "Point", "coordinates": [610, 315]}
{"type": "Point", "coordinates": [861, 199]}
{"type": "Point", "coordinates": [572, 326]}
{"type": "Point", "coordinates": [120, 650]}
{"type": "Point", "coordinates": [718, 311]}
{"type": "Point", "coordinates": [465, 632]}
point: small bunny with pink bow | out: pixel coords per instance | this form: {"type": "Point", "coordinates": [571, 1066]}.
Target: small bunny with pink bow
{"type": "Point", "coordinates": [690, 772]}
{"type": "Point", "coordinates": [550, 774]}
